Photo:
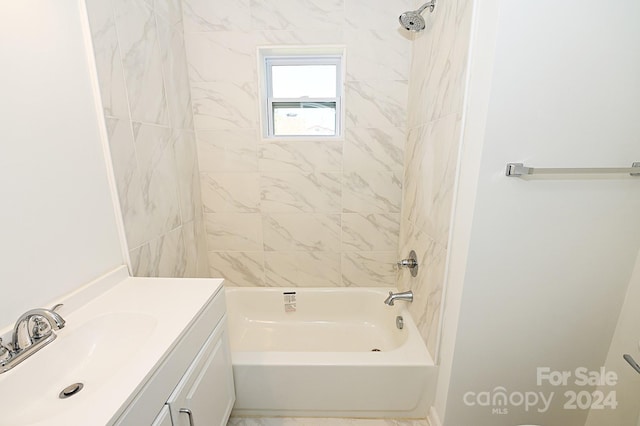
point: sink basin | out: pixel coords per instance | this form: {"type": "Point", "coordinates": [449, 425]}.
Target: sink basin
{"type": "Point", "coordinates": [88, 353]}
{"type": "Point", "coordinates": [119, 330]}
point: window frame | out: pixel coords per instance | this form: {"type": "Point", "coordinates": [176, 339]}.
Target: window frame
{"type": "Point", "coordinates": [302, 59]}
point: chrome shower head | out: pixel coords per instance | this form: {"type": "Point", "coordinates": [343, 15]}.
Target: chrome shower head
{"type": "Point", "coordinates": [413, 20]}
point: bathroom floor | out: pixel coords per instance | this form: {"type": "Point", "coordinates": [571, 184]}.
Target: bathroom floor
{"type": "Point", "coordinates": [296, 421]}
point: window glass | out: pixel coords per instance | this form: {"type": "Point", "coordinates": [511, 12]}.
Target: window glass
{"type": "Point", "coordinates": [299, 81]}
{"type": "Point", "coordinates": [302, 95]}
{"type": "Point", "coordinates": [304, 118]}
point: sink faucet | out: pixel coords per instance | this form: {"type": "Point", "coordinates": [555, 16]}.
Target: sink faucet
{"type": "Point", "coordinates": [406, 295]}
{"type": "Point", "coordinates": [23, 337]}
{"type": "Point", "coordinates": [32, 331]}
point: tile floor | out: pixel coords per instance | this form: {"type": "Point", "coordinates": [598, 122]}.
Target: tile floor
{"type": "Point", "coordinates": [299, 421]}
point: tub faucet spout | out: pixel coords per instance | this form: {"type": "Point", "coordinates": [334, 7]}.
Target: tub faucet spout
{"type": "Point", "coordinates": [405, 295]}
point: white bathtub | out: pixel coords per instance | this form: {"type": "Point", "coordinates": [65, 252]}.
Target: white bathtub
{"type": "Point", "coordinates": [339, 354]}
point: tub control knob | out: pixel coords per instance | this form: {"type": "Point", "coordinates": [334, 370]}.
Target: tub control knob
{"type": "Point", "coordinates": [411, 263]}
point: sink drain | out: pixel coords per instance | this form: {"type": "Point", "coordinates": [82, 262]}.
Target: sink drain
{"type": "Point", "coordinates": [70, 390]}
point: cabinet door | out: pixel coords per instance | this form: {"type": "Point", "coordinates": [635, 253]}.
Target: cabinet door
{"type": "Point", "coordinates": [164, 418]}
{"type": "Point", "coordinates": [205, 395]}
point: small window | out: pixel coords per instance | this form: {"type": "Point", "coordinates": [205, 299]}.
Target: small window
{"type": "Point", "coordinates": [303, 95]}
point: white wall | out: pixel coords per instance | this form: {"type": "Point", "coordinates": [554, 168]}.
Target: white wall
{"type": "Point", "coordinates": [548, 260]}
{"type": "Point", "coordinates": [58, 220]}
{"type": "Point", "coordinates": [626, 340]}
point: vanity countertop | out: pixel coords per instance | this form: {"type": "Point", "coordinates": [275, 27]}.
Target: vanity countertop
{"type": "Point", "coordinates": [118, 331]}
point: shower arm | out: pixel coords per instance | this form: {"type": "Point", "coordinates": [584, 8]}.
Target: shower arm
{"type": "Point", "coordinates": [431, 5]}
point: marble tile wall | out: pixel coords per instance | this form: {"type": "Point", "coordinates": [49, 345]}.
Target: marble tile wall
{"type": "Point", "coordinates": [436, 88]}
{"type": "Point", "coordinates": [142, 72]}
{"type": "Point", "coordinates": [300, 212]}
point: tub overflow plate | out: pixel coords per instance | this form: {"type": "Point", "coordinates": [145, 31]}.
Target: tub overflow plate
{"type": "Point", "coordinates": [399, 322]}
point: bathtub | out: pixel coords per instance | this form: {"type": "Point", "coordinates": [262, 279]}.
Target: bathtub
{"type": "Point", "coordinates": [326, 352]}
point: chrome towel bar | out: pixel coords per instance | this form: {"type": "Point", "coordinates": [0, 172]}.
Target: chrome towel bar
{"type": "Point", "coordinates": [519, 169]}
{"type": "Point", "coordinates": [631, 362]}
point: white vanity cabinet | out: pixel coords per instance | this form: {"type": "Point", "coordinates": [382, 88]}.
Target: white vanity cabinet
{"type": "Point", "coordinates": [205, 395]}
{"type": "Point", "coordinates": [164, 418]}
{"type": "Point", "coordinates": [194, 384]}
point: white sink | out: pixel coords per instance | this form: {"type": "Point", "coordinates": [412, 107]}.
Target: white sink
{"type": "Point", "coordinates": [88, 353]}
{"type": "Point", "coordinates": [112, 342]}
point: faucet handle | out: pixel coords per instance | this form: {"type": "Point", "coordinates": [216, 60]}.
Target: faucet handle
{"type": "Point", "coordinates": [5, 353]}
{"type": "Point", "coordinates": [411, 263]}
{"type": "Point", "coordinates": [407, 263]}
{"type": "Point", "coordinates": [41, 327]}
